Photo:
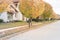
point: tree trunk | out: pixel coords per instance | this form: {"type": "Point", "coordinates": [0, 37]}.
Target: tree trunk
{"type": "Point", "coordinates": [30, 22]}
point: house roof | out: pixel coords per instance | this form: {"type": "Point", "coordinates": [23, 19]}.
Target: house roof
{"type": "Point", "coordinates": [15, 1]}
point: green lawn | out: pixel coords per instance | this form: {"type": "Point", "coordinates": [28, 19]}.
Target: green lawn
{"type": "Point", "coordinates": [11, 24]}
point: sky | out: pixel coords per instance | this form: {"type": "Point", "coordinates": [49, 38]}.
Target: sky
{"type": "Point", "coordinates": [55, 4]}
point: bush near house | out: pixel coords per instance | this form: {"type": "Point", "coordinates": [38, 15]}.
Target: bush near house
{"type": "Point", "coordinates": [18, 21]}
{"type": "Point", "coordinates": [1, 20]}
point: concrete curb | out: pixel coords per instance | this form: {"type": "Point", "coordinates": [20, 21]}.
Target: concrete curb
{"type": "Point", "coordinates": [9, 31]}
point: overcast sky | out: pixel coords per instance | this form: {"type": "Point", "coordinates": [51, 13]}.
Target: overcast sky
{"type": "Point", "coordinates": [55, 4]}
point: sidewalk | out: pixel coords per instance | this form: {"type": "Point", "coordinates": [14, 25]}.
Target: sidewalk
{"type": "Point", "coordinates": [9, 31]}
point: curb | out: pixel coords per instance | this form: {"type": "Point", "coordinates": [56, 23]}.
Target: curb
{"type": "Point", "coordinates": [9, 31]}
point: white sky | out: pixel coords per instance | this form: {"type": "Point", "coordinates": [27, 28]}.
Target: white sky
{"type": "Point", "coordinates": [55, 4]}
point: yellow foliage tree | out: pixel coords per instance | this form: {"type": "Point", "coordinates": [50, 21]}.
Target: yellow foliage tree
{"type": "Point", "coordinates": [4, 4]}
{"type": "Point", "coordinates": [31, 8]}
{"type": "Point", "coordinates": [48, 11]}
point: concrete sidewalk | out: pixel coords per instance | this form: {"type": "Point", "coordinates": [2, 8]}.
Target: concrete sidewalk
{"type": "Point", "coordinates": [9, 31]}
{"type": "Point", "coordinates": [12, 31]}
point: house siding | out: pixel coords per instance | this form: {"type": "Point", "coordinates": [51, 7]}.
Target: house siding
{"type": "Point", "coordinates": [4, 16]}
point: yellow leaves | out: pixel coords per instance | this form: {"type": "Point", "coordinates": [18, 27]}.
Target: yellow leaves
{"type": "Point", "coordinates": [54, 15]}
{"type": "Point", "coordinates": [4, 4]}
{"type": "Point", "coordinates": [48, 11]}
{"type": "Point", "coordinates": [32, 7]}
{"type": "Point", "coordinates": [1, 9]}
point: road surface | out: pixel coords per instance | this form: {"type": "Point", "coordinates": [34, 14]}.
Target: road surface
{"type": "Point", "coordinates": [48, 32]}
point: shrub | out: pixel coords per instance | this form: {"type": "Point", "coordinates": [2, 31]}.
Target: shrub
{"type": "Point", "coordinates": [18, 21]}
{"type": "Point", "coordinates": [1, 20]}
{"type": "Point", "coordinates": [36, 20]}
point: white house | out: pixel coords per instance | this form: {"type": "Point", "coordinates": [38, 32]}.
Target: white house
{"type": "Point", "coordinates": [12, 13]}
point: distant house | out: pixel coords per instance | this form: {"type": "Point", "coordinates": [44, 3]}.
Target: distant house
{"type": "Point", "coordinates": [12, 13]}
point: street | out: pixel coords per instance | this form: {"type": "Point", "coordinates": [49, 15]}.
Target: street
{"type": "Point", "coordinates": [47, 32]}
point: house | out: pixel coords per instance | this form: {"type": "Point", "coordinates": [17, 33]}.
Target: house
{"type": "Point", "coordinates": [12, 13]}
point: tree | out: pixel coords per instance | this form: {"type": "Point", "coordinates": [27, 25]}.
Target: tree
{"type": "Point", "coordinates": [54, 16]}
{"type": "Point", "coordinates": [31, 8]}
{"type": "Point", "coordinates": [47, 12]}
{"type": "Point", "coordinates": [4, 4]}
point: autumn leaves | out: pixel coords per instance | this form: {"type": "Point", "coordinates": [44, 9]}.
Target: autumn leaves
{"type": "Point", "coordinates": [4, 4]}
{"type": "Point", "coordinates": [32, 8]}
{"type": "Point", "coordinates": [35, 8]}
{"type": "Point", "coordinates": [47, 12]}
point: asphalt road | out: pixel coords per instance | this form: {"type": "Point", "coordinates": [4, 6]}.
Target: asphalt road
{"type": "Point", "coordinates": [48, 32]}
